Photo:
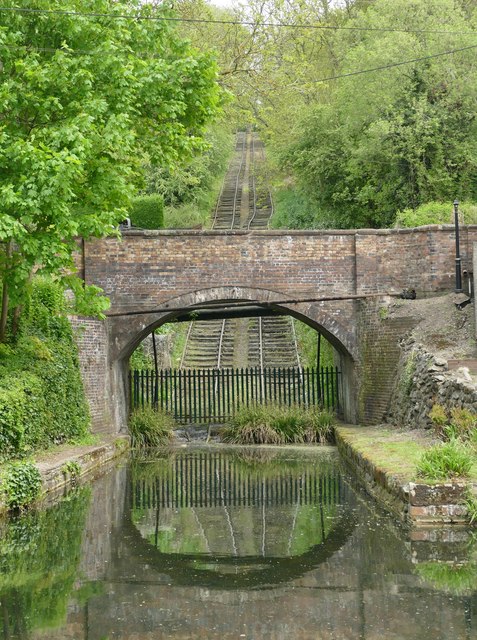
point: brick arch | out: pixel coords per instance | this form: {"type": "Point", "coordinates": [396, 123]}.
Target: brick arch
{"type": "Point", "coordinates": [328, 317]}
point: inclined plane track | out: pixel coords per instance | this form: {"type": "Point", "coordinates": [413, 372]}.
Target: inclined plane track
{"type": "Point", "coordinates": [245, 202]}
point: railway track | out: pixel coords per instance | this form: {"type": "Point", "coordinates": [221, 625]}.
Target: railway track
{"type": "Point", "coordinates": [245, 202]}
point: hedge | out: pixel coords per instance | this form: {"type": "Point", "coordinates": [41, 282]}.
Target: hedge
{"type": "Point", "coordinates": [148, 212]}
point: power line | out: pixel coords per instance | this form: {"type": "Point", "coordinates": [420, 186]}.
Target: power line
{"type": "Point", "coordinates": [395, 64]}
{"type": "Point", "coordinates": [244, 23]}
{"type": "Point", "coordinates": [328, 79]}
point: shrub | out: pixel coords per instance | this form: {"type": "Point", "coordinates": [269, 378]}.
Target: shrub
{"type": "Point", "coordinates": [445, 460]}
{"type": "Point", "coordinates": [276, 424]}
{"type": "Point", "coordinates": [148, 212]}
{"type": "Point", "coordinates": [150, 427]}
{"type": "Point", "coordinates": [21, 483]}
{"type": "Point", "coordinates": [436, 213]}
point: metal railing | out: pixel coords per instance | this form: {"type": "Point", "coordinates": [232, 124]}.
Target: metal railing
{"type": "Point", "coordinates": [196, 396]}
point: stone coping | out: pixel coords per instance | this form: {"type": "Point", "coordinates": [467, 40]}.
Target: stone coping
{"type": "Point", "coordinates": [131, 233]}
{"type": "Point", "coordinates": [418, 504]}
{"type": "Point", "coordinates": [70, 466]}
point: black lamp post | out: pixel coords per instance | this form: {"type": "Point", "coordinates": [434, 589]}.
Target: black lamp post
{"type": "Point", "coordinates": [458, 261]}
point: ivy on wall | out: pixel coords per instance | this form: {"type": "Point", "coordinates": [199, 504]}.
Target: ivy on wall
{"type": "Point", "coordinates": [41, 393]}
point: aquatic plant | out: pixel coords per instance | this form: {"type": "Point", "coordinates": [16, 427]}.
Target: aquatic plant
{"type": "Point", "coordinates": [150, 427]}
{"type": "Point", "coordinates": [278, 424]}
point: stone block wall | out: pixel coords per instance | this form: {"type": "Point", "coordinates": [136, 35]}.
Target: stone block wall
{"type": "Point", "coordinates": [424, 380]}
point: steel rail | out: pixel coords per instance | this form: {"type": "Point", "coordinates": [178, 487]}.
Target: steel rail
{"type": "Point", "coordinates": [237, 181]}
{"type": "Point", "coordinates": [184, 350]}
{"type": "Point", "coordinates": [254, 186]}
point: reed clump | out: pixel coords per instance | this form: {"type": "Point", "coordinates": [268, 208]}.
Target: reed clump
{"type": "Point", "coordinates": [149, 427]}
{"type": "Point", "coordinates": [279, 424]}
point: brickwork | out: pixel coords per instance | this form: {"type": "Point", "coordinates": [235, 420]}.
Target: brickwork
{"type": "Point", "coordinates": [158, 272]}
{"type": "Point", "coordinates": [92, 340]}
{"type": "Point", "coordinates": [147, 268]}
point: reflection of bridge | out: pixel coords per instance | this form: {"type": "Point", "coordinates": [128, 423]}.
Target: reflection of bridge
{"type": "Point", "coordinates": [330, 280]}
{"type": "Point", "coordinates": [340, 593]}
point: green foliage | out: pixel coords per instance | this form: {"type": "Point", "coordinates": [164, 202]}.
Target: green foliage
{"type": "Point", "coordinates": [438, 415]}
{"type": "Point", "coordinates": [150, 427]}
{"type": "Point", "coordinates": [39, 556]}
{"type": "Point", "coordinates": [71, 469]}
{"type": "Point", "coordinates": [83, 109]}
{"type": "Point", "coordinates": [458, 423]}
{"type": "Point", "coordinates": [140, 360]}
{"type": "Point", "coordinates": [470, 503]}
{"type": "Point", "coordinates": [307, 340]}
{"type": "Point", "coordinates": [436, 213]}
{"type": "Point", "coordinates": [277, 424]}
{"type": "Point", "coordinates": [147, 212]}
{"type": "Point", "coordinates": [445, 460]}
{"type": "Point", "coordinates": [360, 148]}
{"type": "Point", "coordinates": [190, 192]}
{"type": "Point", "coordinates": [41, 392]}
{"type": "Point", "coordinates": [21, 484]}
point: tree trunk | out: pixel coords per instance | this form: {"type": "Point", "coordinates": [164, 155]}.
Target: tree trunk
{"type": "Point", "coordinates": [4, 311]}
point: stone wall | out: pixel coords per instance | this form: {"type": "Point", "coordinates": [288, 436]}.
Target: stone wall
{"type": "Point", "coordinates": [424, 380]}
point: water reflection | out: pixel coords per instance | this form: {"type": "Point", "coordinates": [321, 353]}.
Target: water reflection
{"type": "Point", "coordinates": [231, 546]}
{"type": "Point", "coordinates": [252, 518]}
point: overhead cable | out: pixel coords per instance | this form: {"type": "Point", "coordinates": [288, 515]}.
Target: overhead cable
{"type": "Point", "coordinates": [244, 23]}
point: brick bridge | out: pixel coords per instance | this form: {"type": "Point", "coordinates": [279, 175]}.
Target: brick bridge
{"type": "Point", "coordinates": [335, 281]}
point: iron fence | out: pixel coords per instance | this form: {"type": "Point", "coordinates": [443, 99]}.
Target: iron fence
{"type": "Point", "coordinates": [214, 395]}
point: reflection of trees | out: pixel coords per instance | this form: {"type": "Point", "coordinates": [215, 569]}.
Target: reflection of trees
{"type": "Point", "coordinates": [39, 556]}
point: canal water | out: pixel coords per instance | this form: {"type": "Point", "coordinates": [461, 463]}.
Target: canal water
{"type": "Point", "coordinates": [233, 543]}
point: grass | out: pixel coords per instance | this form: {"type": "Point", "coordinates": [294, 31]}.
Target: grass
{"type": "Point", "coordinates": [276, 424]}
{"type": "Point", "coordinates": [395, 451]}
{"type": "Point", "coordinates": [149, 428]}
{"type": "Point", "coordinates": [446, 460]}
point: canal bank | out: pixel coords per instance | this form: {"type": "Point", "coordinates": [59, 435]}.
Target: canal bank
{"type": "Point", "coordinates": [69, 466]}
{"type": "Point", "coordinates": [382, 459]}
{"type": "Point", "coordinates": [385, 459]}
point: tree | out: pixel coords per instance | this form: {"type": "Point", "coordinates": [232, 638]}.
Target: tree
{"type": "Point", "coordinates": [374, 143]}
{"type": "Point", "coordinates": [85, 102]}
